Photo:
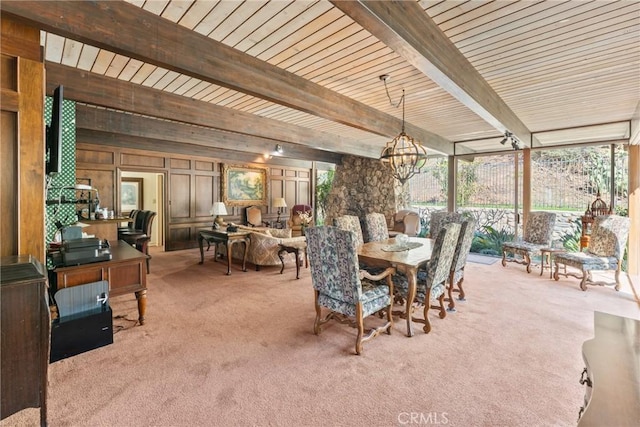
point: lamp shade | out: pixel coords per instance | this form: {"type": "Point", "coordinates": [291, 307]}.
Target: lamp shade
{"type": "Point", "coordinates": [279, 202]}
{"type": "Point", "coordinates": [218, 208]}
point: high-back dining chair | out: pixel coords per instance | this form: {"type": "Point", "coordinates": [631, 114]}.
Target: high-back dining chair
{"type": "Point", "coordinates": [350, 223]}
{"type": "Point", "coordinates": [376, 227]}
{"type": "Point", "coordinates": [606, 248]}
{"type": "Point", "coordinates": [432, 280]}
{"type": "Point", "coordinates": [538, 232]}
{"type": "Point", "coordinates": [341, 287]}
{"type": "Point", "coordinates": [456, 275]}
{"type": "Point", "coordinates": [440, 218]}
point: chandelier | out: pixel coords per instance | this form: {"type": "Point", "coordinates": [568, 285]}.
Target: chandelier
{"type": "Point", "coordinates": [403, 155]}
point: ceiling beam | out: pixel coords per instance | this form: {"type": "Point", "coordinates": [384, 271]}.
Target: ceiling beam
{"type": "Point", "coordinates": [109, 139]}
{"type": "Point", "coordinates": [108, 92]}
{"type": "Point", "coordinates": [406, 28]}
{"type": "Point", "coordinates": [131, 31]}
{"type": "Point", "coordinates": [99, 119]}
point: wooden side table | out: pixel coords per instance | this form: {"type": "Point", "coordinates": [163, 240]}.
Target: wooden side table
{"type": "Point", "coordinates": [547, 259]}
{"type": "Point", "coordinates": [295, 248]}
{"type": "Point", "coordinates": [226, 238]}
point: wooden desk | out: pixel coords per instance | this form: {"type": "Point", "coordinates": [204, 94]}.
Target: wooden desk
{"type": "Point", "coordinates": [126, 272]}
{"type": "Point", "coordinates": [611, 376]}
{"type": "Point", "coordinates": [103, 228]}
{"type": "Point", "coordinates": [407, 262]}
{"type": "Point", "coordinates": [226, 238]}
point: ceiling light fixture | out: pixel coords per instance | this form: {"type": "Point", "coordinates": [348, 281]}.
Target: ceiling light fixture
{"type": "Point", "coordinates": [279, 149]}
{"type": "Point", "coordinates": [515, 142]}
{"type": "Point", "coordinates": [403, 155]}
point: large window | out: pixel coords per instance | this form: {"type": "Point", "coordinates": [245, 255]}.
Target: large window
{"type": "Point", "coordinates": [569, 179]}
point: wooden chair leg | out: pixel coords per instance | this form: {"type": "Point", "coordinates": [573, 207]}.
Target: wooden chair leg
{"type": "Point", "coordinates": [360, 325]}
{"type": "Point", "coordinates": [452, 304]}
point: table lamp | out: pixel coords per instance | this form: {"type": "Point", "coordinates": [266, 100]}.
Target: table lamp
{"type": "Point", "coordinates": [218, 209]}
{"type": "Point", "coordinates": [279, 203]}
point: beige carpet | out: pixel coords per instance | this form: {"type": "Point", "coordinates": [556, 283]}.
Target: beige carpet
{"type": "Point", "coordinates": [239, 350]}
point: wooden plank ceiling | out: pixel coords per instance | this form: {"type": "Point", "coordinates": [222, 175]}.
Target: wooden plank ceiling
{"type": "Point", "coordinates": [527, 66]}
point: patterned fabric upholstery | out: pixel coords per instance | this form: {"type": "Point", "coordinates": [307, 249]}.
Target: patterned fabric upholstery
{"type": "Point", "coordinates": [605, 252]}
{"type": "Point", "coordinates": [539, 229]}
{"type": "Point", "coordinates": [350, 223]}
{"type": "Point", "coordinates": [467, 229]}
{"type": "Point", "coordinates": [264, 247]}
{"type": "Point", "coordinates": [538, 233]}
{"type": "Point", "coordinates": [338, 282]}
{"type": "Point", "coordinates": [440, 218]}
{"type": "Point", "coordinates": [432, 281]}
{"type": "Point", "coordinates": [376, 227]}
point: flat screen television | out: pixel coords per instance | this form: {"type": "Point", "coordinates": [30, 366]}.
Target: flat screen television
{"type": "Point", "coordinates": [53, 137]}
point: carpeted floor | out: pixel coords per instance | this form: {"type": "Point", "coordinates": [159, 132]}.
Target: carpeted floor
{"type": "Point", "coordinates": [239, 350]}
{"type": "Point", "coordinates": [482, 259]}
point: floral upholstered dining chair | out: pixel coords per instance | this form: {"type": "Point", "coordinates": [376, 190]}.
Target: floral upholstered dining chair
{"type": "Point", "coordinates": [432, 280]}
{"type": "Point", "coordinates": [376, 227]}
{"type": "Point", "coordinates": [456, 275]}
{"type": "Point", "coordinates": [440, 218]}
{"type": "Point", "coordinates": [350, 223]}
{"type": "Point", "coordinates": [605, 252]}
{"type": "Point", "coordinates": [538, 232]}
{"type": "Point", "coordinates": [349, 293]}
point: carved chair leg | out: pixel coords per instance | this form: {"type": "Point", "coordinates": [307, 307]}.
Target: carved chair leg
{"type": "Point", "coordinates": [360, 324]}
{"type": "Point", "coordinates": [527, 260]}
{"type": "Point", "coordinates": [452, 304]}
{"type": "Point", "coordinates": [316, 325]}
{"type": "Point", "coordinates": [504, 258]}
{"type": "Point", "coordinates": [440, 306]}
{"type": "Point", "coordinates": [427, 306]}
{"type": "Point", "coordinates": [617, 287]}
{"type": "Point", "coordinates": [461, 297]}
{"type": "Point", "coordinates": [583, 282]}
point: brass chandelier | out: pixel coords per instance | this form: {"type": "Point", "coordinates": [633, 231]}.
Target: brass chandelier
{"type": "Point", "coordinates": [403, 155]}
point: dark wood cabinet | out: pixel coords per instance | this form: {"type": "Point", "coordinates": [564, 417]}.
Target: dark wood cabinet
{"type": "Point", "coordinates": [24, 332]}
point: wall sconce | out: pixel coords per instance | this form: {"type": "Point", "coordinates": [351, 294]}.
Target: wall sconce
{"type": "Point", "coordinates": [279, 203]}
{"type": "Point", "coordinates": [218, 209]}
{"type": "Point", "coordinates": [279, 149]}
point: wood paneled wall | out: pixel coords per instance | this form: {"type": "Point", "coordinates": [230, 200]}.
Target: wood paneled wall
{"type": "Point", "coordinates": [22, 181]}
{"type": "Point", "coordinates": [192, 184]}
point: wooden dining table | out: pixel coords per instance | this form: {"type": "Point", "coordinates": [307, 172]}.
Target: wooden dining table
{"type": "Point", "coordinates": [386, 253]}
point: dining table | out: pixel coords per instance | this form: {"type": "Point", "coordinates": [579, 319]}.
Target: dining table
{"type": "Point", "coordinates": [406, 258]}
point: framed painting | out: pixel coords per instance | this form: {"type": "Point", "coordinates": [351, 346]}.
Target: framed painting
{"type": "Point", "coordinates": [244, 186]}
{"type": "Point", "coordinates": [131, 194]}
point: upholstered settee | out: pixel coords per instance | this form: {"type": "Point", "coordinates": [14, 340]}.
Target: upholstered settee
{"type": "Point", "coordinates": [264, 246]}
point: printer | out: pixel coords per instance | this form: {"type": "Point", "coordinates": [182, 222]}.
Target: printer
{"type": "Point", "coordinates": [84, 251]}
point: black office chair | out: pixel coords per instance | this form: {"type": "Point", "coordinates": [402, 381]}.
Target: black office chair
{"type": "Point", "coordinates": [140, 236]}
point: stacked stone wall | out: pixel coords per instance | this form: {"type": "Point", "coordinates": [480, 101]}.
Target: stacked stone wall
{"type": "Point", "coordinates": [362, 186]}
